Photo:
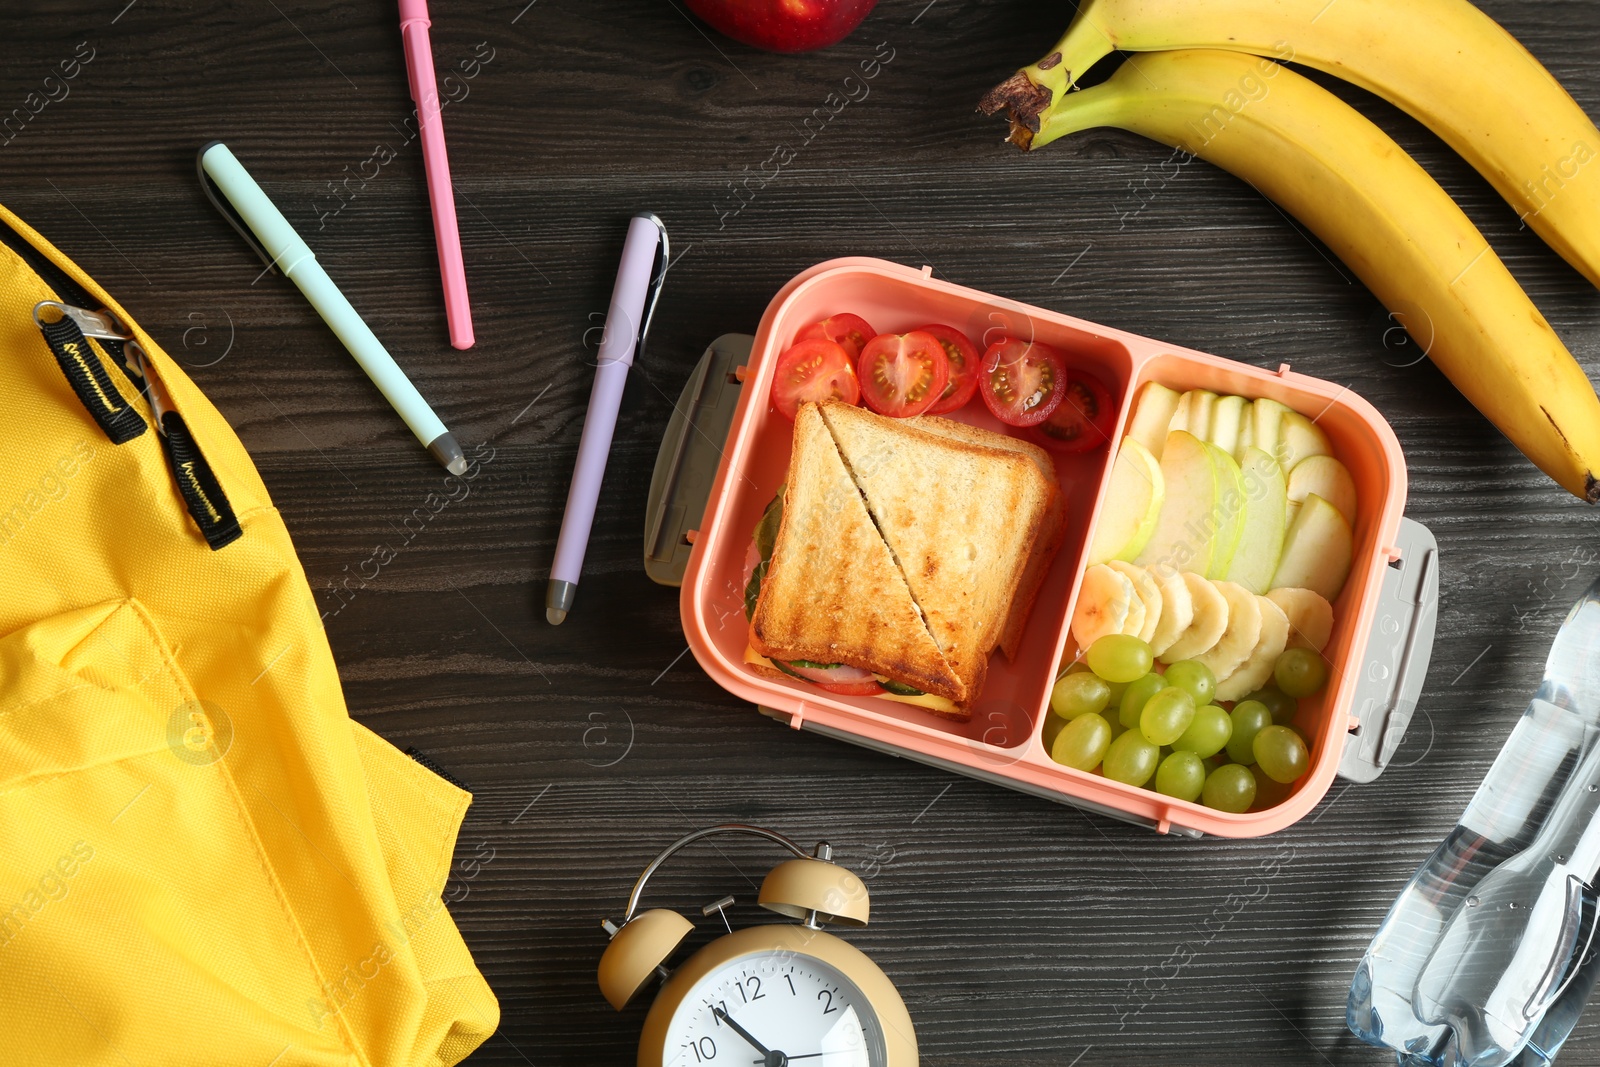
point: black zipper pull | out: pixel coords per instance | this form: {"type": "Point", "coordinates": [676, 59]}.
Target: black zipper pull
{"type": "Point", "coordinates": [86, 373]}
{"type": "Point", "coordinates": [202, 493]}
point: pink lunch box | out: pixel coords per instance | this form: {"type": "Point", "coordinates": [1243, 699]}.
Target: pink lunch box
{"type": "Point", "coordinates": [727, 450]}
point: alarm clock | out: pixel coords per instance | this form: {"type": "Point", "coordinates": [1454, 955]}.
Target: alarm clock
{"type": "Point", "coordinates": [766, 995]}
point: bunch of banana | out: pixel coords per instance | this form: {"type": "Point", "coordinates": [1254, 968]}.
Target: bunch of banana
{"type": "Point", "coordinates": [1358, 191]}
{"type": "Point", "coordinates": [1443, 62]}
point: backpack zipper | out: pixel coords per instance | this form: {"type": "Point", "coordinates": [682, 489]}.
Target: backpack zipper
{"type": "Point", "coordinates": [68, 338]}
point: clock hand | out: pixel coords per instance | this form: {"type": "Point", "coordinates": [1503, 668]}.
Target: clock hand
{"type": "Point", "coordinates": [768, 1056]}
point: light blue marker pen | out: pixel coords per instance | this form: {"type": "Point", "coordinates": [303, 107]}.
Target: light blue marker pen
{"type": "Point", "coordinates": [270, 234]}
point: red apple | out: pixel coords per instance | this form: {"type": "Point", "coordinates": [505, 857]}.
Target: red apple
{"type": "Point", "coordinates": [784, 25]}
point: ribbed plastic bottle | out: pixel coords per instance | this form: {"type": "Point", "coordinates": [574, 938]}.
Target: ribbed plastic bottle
{"type": "Point", "coordinates": [1488, 955]}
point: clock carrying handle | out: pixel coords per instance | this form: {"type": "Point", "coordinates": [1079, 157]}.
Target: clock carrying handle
{"type": "Point", "coordinates": [823, 851]}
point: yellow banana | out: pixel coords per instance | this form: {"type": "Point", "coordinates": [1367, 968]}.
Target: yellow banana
{"type": "Point", "coordinates": [1444, 62]}
{"type": "Point", "coordinates": [1381, 213]}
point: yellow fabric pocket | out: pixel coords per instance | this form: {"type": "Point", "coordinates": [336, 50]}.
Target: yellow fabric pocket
{"type": "Point", "coordinates": [128, 860]}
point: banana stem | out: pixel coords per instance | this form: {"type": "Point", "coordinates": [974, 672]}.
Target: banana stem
{"type": "Point", "coordinates": [1081, 47]}
{"type": "Point", "coordinates": [1033, 92]}
{"type": "Point", "coordinates": [1086, 109]}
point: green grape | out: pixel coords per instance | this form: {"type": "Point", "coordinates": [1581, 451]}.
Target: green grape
{"type": "Point", "coordinates": [1269, 794]}
{"type": "Point", "coordinates": [1131, 759]}
{"type": "Point", "coordinates": [1051, 730]}
{"type": "Point", "coordinates": [1079, 694]}
{"type": "Point", "coordinates": [1279, 703]}
{"type": "Point", "coordinates": [1117, 689]}
{"type": "Point", "coordinates": [1135, 695]}
{"type": "Point", "coordinates": [1120, 658]}
{"type": "Point", "coordinates": [1300, 672]}
{"type": "Point", "coordinates": [1281, 753]}
{"type": "Point", "coordinates": [1194, 677]}
{"type": "Point", "coordinates": [1082, 743]}
{"type": "Point", "coordinates": [1166, 715]}
{"type": "Point", "coordinates": [1181, 775]}
{"type": "Point", "coordinates": [1249, 716]}
{"type": "Point", "coordinates": [1207, 733]}
{"type": "Point", "coordinates": [1229, 788]}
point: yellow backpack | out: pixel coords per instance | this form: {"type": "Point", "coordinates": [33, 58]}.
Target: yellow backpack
{"type": "Point", "coordinates": [203, 860]}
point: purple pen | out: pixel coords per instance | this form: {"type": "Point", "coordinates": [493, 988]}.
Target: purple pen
{"type": "Point", "coordinates": [633, 301]}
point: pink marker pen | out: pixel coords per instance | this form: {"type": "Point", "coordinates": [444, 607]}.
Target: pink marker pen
{"type": "Point", "coordinates": [425, 92]}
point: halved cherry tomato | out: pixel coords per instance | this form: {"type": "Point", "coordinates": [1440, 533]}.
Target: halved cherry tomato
{"type": "Point", "coordinates": [851, 331]}
{"type": "Point", "coordinates": [963, 356]}
{"type": "Point", "coordinates": [903, 374]}
{"type": "Point", "coordinates": [1021, 381]}
{"type": "Point", "coordinates": [1085, 418]}
{"type": "Point", "coordinates": [813, 370]}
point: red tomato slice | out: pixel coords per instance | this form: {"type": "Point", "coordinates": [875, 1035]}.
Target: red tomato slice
{"type": "Point", "coordinates": [1085, 418]}
{"type": "Point", "coordinates": [813, 370]}
{"type": "Point", "coordinates": [963, 356]}
{"type": "Point", "coordinates": [1021, 381]}
{"type": "Point", "coordinates": [851, 331]}
{"type": "Point", "coordinates": [903, 374]}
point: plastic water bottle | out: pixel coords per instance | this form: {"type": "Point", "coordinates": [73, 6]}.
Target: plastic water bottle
{"type": "Point", "coordinates": [1490, 952]}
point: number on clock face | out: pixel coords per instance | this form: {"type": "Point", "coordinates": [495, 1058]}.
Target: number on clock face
{"type": "Point", "coordinates": [779, 1002]}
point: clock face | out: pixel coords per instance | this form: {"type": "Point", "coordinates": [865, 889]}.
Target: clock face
{"type": "Point", "coordinates": [792, 1008]}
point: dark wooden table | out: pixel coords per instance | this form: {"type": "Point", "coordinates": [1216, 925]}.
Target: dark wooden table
{"type": "Point", "coordinates": [1019, 931]}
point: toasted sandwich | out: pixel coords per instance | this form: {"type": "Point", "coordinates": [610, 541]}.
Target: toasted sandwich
{"type": "Point", "coordinates": [1052, 530]}
{"type": "Point", "coordinates": [904, 553]}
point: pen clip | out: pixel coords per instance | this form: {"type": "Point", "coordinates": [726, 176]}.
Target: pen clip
{"type": "Point", "coordinates": [219, 202]}
{"type": "Point", "coordinates": [658, 275]}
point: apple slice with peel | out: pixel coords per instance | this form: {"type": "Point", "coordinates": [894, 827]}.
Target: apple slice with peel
{"type": "Point", "coordinates": [1247, 431]}
{"type": "Point", "coordinates": [1266, 417]}
{"type": "Point", "coordinates": [1133, 503]}
{"type": "Point", "coordinates": [1317, 551]}
{"type": "Point", "coordinates": [1186, 530]}
{"type": "Point", "coordinates": [1265, 520]}
{"type": "Point", "coordinates": [1226, 419]}
{"type": "Point", "coordinates": [1329, 479]}
{"type": "Point", "coordinates": [1194, 413]}
{"type": "Point", "coordinates": [1152, 416]}
{"type": "Point", "coordinates": [1299, 438]}
{"type": "Point", "coordinates": [1229, 516]}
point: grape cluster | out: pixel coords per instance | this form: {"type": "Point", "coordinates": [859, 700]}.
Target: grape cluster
{"type": "Point", "coordinates": [1113, 711]}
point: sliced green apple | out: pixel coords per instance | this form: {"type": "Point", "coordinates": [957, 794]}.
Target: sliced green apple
{"type": "Point", "coordinates": [1329, 479]}
{"type": "Point", "coordinates": [1229, 515]}
{"type": "Point", "coordinates": [1226, 418]}
{"type": "Point", "coordinates": [1186, 530]}
{"type": "Point", "coordinates": [1299, 438]}
{"type": "Point", "coordinates": [1194, 413]}
{"type": "Point", "coordinates": [1255, 561]}
{"type": "Point", "coordinates": [1152, 416]}
{"type": "Point", "coordinates": [1132, 506]}
{"type": "Point", "coordinates": [1266, 416]}
{"type": "Point", "coordinates": [1317, 551]}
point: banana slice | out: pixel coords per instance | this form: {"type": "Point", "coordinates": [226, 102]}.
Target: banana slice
{"type": "Point", "coordinates": [1310, 617]}
{"type": "Point", "coordinates": [1177, 608]}
{"type": "Point", "coordinates": [1206, 627]}
{"type": "Point", "coordinates": [1136, 613]}
{"type": "Point", "coordinates": [1253, 673]}
{"type": "Point", "coordinates": [1239, 639]}
{"type": "Point", "coordinates": [1148, 592]}
{"type": "Point", "coordinates": [1104, 600]}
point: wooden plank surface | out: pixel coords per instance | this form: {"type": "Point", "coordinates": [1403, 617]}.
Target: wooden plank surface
{"type": "Point", "coordinates": [1020, 932]}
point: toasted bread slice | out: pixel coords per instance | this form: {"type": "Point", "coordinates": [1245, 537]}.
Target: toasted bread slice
{"type": "Point", "coordinates": [832, 593]}
{"type": "Point", "coordinates": [960, 518]}
{"type": "Point", "coordinates": [1052, 529]}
